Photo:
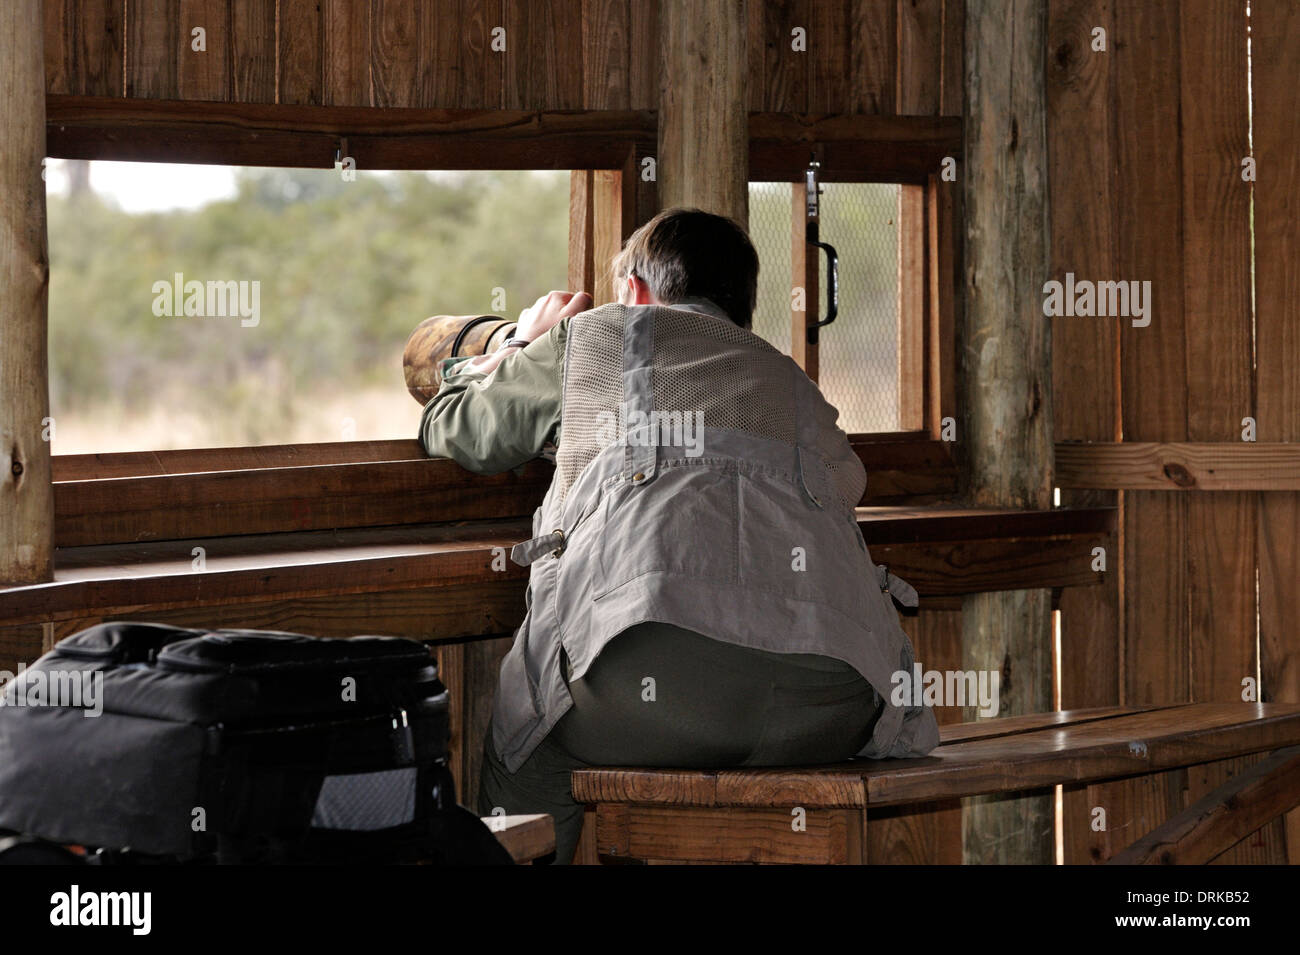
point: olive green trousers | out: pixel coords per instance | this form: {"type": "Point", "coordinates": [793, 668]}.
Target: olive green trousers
{"type": "Point", "coordinates": [659, 695]}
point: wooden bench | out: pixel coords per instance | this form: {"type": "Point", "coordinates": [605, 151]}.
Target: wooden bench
{"type": "Point", "coordinates": [821, 814]}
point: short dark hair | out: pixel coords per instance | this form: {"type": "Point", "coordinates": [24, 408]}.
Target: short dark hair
{"type": "Point", "coordinates": [688, 253]}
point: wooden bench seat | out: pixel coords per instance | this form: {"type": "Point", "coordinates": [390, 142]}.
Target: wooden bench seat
{"type": "Point", "coordinates": [732, 815]}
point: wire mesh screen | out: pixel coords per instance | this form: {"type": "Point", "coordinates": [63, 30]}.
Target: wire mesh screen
{"type": "Point", "coordinates": [769, 230]}
{"type": "Point", "coordinates": [858, 354]}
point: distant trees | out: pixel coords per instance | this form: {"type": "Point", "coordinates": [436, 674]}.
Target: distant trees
{"type": "Point", "coordinates": [346, 271]}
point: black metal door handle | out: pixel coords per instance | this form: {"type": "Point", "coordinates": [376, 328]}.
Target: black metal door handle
{"type": "Point", "coordinates": [832, 286]}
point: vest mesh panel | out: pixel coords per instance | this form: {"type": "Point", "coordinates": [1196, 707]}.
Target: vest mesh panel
{"type": "Point", "coordinates": [593, 387]}
{"type": "Point", "coordinates": [733, 377]}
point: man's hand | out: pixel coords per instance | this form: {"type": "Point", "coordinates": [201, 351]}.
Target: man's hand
{"type": "Point", "coordinates": [534, 322]}
{"type": "Point", "coordinates": [547, 312]}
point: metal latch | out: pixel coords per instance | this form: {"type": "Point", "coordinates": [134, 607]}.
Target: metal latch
{"type": "Point", "coordinates": [904, 594]}
{"type": "Point", "coordinates": [530, 550]}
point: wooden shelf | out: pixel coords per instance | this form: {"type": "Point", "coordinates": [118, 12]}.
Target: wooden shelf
{"type": "Point", "coordinates": [941, 551]}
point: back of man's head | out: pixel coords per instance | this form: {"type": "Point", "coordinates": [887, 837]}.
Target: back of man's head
{"type": "Point", "coordinates": [688, 253]}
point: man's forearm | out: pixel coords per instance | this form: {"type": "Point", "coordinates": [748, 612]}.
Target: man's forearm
{"type": "Point", "coordinates": [491, 421]}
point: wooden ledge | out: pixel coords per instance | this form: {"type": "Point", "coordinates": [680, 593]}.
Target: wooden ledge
{"type": "Point", "coordinates": [947, 550]}
{"type": "Point", "coordinates": [276, 496]}
{"type": "Point", "coordinates": [215, 492]}
{"type": "Point", "coordinates": [940, 552]}
{"type": "Point", "coordinates": [953, 522]}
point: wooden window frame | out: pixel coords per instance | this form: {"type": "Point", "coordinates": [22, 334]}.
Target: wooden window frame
{"type": "Point", "coordinates": [106, 498]}
{"type": "Point", "coordinates": [927, 292]}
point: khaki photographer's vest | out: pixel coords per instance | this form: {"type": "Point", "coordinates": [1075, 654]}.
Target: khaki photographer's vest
{"type": "Point", "coordinates": [742, 530]}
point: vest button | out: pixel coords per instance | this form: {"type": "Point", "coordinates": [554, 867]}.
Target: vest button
{"type": "Point", "coordinates": [638, 477]}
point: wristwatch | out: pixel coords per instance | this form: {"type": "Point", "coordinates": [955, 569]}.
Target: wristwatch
{"type": "Point", "coordinates": [511, 341]}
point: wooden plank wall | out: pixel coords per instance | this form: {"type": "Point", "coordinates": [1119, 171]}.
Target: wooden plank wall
{"type": "Point", "coordinates": [1275, 62]}
{"type": "Point", "coordinates": [1148, 140]}
{"type": "Point", "coordinates": [861, 56]}
{"type": "Point", "coordinates": [1081, 157]}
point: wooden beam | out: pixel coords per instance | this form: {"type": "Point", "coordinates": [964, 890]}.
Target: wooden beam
{"type": "Point", "coordinates": [640, 190]}
{"type": "Point", "coordinates": [703, 120]}
{"type": "Point", "coordinates": [1006, 391]}
{"type": "Point", "coordinates": [1179, 465]}
{"type": "Point", "coordinates": [1220, 819]}
{"type": "Point", "coordinates": [26, 500]}
{"type": "Point", "coordinates": [470, 670]}
{"type": "Point", "coordinates": [854, 147]}
{"type": "Point", "coordinates": [86, 127]}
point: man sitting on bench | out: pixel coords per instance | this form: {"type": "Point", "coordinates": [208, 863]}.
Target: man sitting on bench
{"type": "Point", "coordinates": [700, 593]}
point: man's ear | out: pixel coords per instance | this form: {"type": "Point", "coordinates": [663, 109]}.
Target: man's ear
{"type": "Point", "coordinates": [639, 292]}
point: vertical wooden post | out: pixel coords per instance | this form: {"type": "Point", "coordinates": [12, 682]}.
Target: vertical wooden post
{"type": "Point", "coordinates": [1006, 389]}
{"type": "Point", "coordinates": [606, 231]}
{"type": "Point", "coordinates": [581, 261]}
{"type": "Point", "coordinates": [804, 265]}
{"type": "Point", "coordinates": [703, 119]}
{"type": "Point", "coordinates": [605, 207]}
{"type": "Point", "coordinates": [913, 284]}
{"type": "Point", "coordinates": [26, 497]}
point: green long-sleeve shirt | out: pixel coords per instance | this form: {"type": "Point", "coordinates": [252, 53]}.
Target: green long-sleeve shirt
{"type": "Point", "coordinates": [492, 422]}
{"type": "Point", "coordinates": [489, 423]}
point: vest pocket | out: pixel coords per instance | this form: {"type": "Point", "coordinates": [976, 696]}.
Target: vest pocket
{"type": "Point", "coordinates": [792, 547]}
{"type": "Point", "coordinates": [684, 522]}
